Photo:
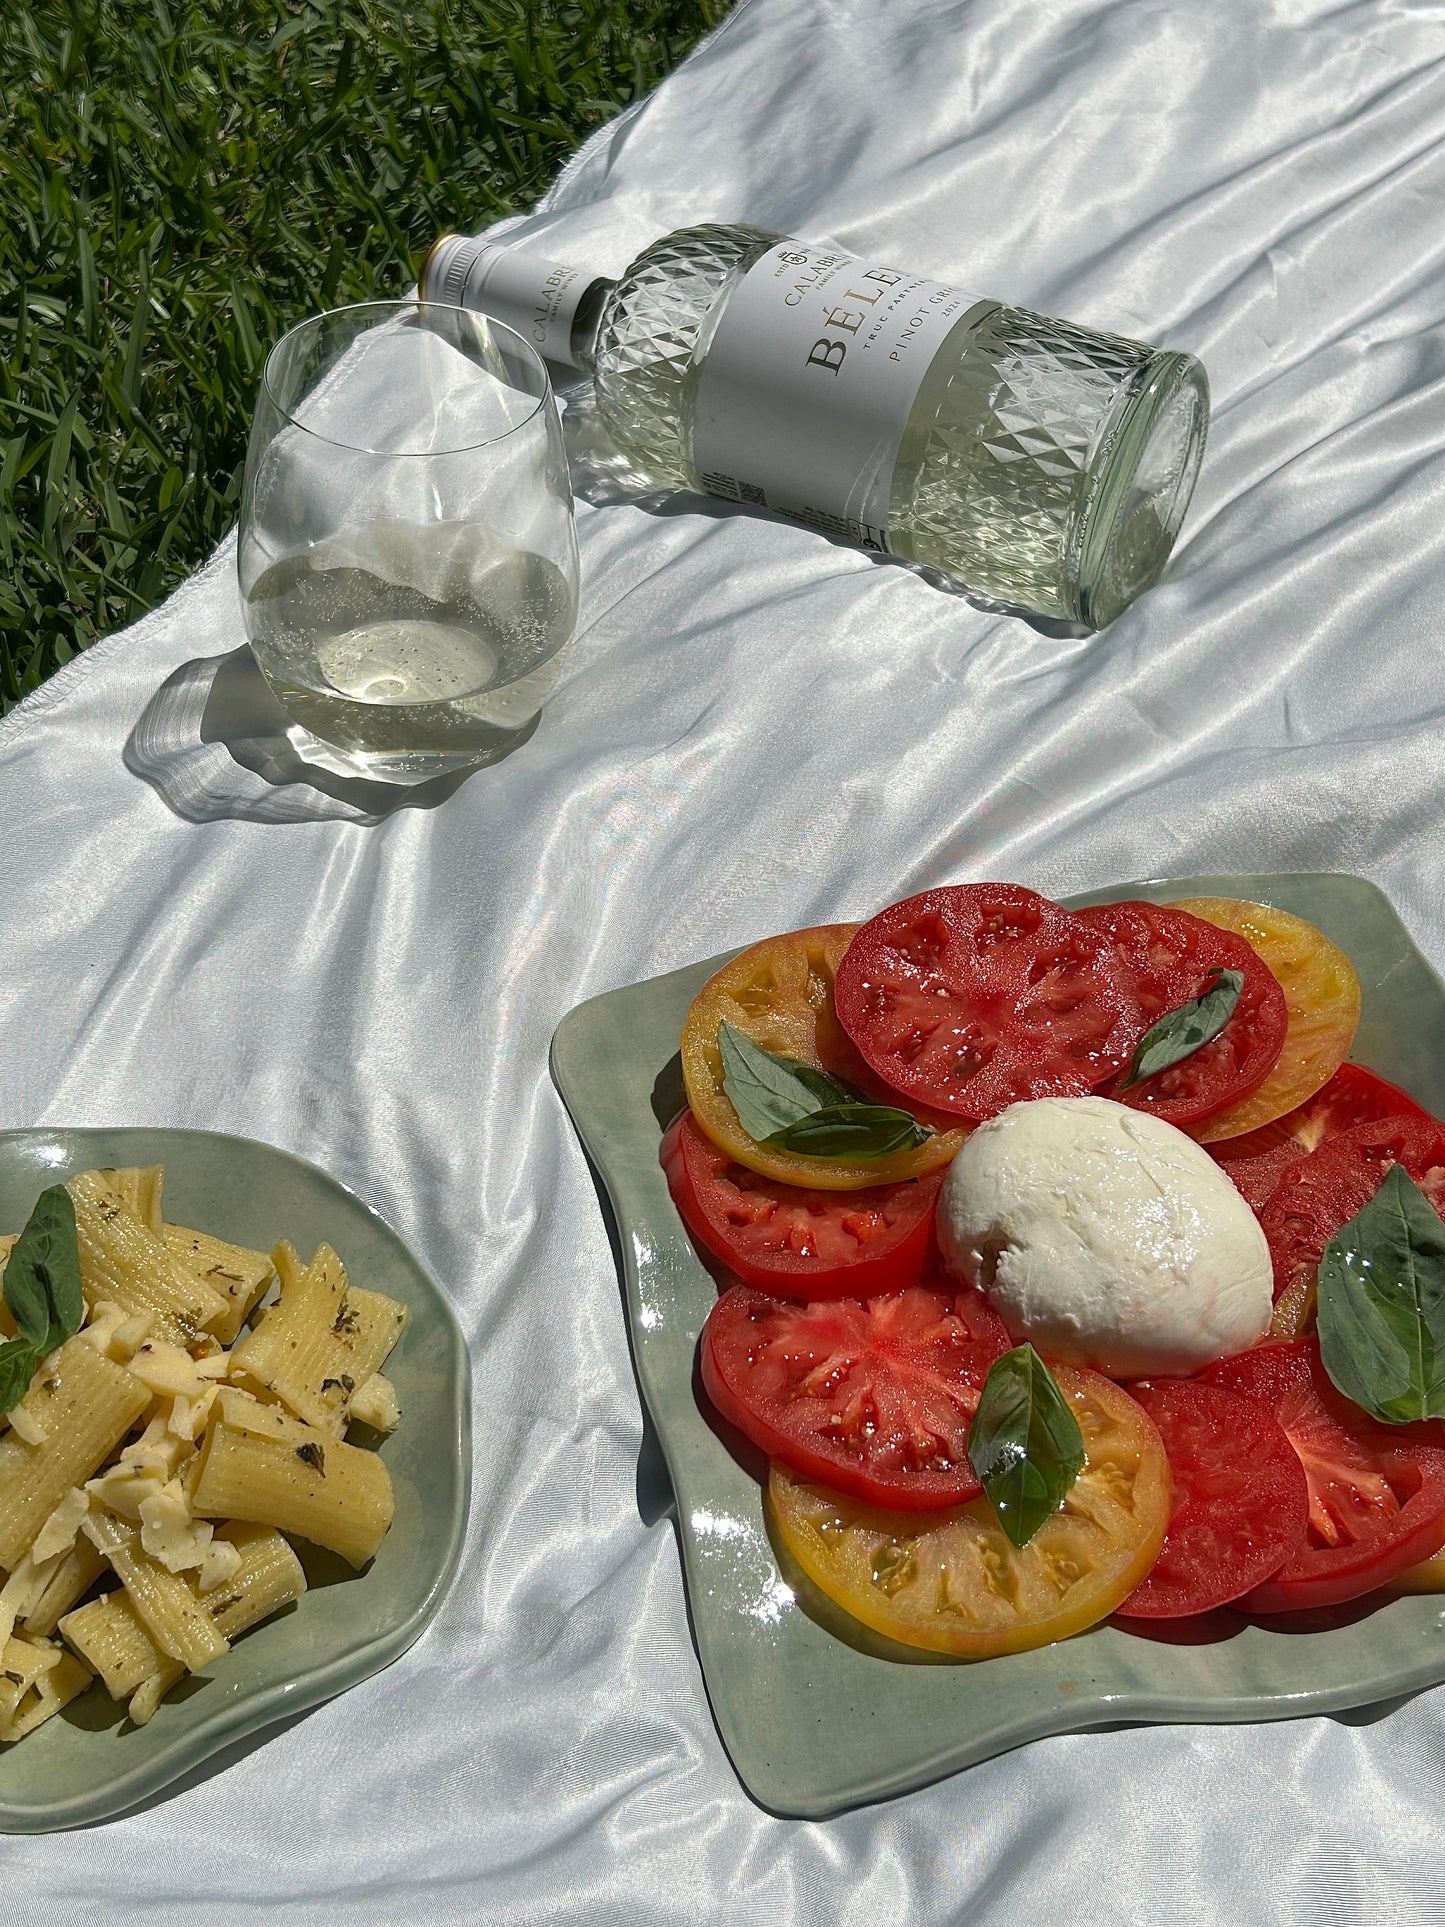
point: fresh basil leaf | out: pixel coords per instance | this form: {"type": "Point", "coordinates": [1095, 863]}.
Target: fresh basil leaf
{"type": "Point", "coordinates": [1179, 1033]}
{"type": "Point", "coordinates": [17, 1367]}
{"type": "Point", "coordinates": [42, 1274]}
{"type": "Point", "coordinates": [851, 1131]}
{"type": "Point", "coordinates": [770, 1092]}
{"type": "Point", "coordinates": [1024, 1444]}
{"type": "Point", "coordinates": [1382, 1304]}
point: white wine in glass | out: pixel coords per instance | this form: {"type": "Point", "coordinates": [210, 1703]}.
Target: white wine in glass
{"type": "Point", "coordinates": [408, 561]}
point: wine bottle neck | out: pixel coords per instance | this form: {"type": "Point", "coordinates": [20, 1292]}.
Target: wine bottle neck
{"type": "Point", "coordinates": [553, 306]}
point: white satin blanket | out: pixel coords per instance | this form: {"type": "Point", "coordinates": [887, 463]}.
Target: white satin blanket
{"type": "Point", "coordinates": [757, 730]}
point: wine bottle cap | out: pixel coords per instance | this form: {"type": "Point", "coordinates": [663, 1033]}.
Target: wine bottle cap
{"type": "Point", "coordinates": [536, 296]}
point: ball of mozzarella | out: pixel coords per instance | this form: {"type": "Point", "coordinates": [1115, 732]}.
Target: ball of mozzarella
{"type": "Point", "coordinates": [1106, 1237]}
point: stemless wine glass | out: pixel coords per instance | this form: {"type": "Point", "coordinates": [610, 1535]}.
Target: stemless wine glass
{"type": "Point", "coordinates": [408, 558]}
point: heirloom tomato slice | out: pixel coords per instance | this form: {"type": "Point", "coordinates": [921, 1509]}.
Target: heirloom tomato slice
{"type": "Point", "coordinates": [1258, 1160]}
{"type": "Point", "coordinates": [1428, 1576]}
{"type": "Point", "coordinates": [795, 1242]}
{"type": "Point", "coordinates": [1322, 997]}
{"type": "Point", "coordinates": [1325, 1190]}
{"type": "Point", "coordinates": [971, 997]}
{"type": "Point", "coordinates": [874, 1398]}
{"type": "Point", "coordinates": [1376, 1492]}
{"type": "Point", "coordinates": [952, 1582]}
{"type": "Point", "coordinates": [780, 993]}
{"type": "Point", "coordinates": [1170, 958]}
{"type": "Point", "coordinates": [1240, 1505]}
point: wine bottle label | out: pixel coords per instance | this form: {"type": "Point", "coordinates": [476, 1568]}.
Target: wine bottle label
{"type": "Point", "coordinates": [809, 382]}
{"type": "Point", "coordinates": [536, 296]}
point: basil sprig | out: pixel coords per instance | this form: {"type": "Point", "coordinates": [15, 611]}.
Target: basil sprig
{"type": "Point", "coordinates": [1382, 1304]}
{"type": "Point", "coordinates": [42, 1292]}
{"type": "Point", "coordinates": [1024, 1444]}
{"type": "Point", "coordinates": [796, 1107]}
{"type": "Point", "coordinates": [1179, 1033]}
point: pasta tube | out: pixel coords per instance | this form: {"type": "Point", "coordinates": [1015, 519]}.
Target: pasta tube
{"type": "Point", "coordinates": [124, 1262]}
{"type": "Point", "coordinates": [260, 1464]}
{"type": "Point", "coordinates": [239, 1275]}
{"type": "Point", "coordinates": [72, 1579]}
{"type": "Point", "coordinates": [110, 1637]}
{"type": "Point", "coordinates": [165, 1602]}
{"type": "Point", "coordinates": [320, 1341]}
{"type": "Point", "coordinates": [36, 1680]}
{"type": "Point", "coordinates": [82, 1405]}
{"type": "Point", "coordinates": [138, 1190]}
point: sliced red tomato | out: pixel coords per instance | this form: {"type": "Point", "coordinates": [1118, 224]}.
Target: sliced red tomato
{"type": "Point", "coordinates": [1324, 1190]}
{"type": "Point", "coordinates": [1376, 1493]}
{"type": "Point", "coordinates": [1258, 1160]}
{"type": "Point", "coordinates": [1170, 958]}
{"type": "Point", "coordinates": [871, 1398]}
{"type": "Point", "coordinates": [797, 1243]}
{"type": "Point", "coordinates": [1241, 1502]}
{"type": "Point", "coordinates": [973, 996]}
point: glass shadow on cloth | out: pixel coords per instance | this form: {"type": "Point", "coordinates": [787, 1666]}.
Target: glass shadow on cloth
{"type": "Point", "coordinates": [213, 743]}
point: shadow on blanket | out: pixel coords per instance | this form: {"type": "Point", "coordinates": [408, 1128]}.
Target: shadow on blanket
{"type": "Point", "coordinates": [214, 743]}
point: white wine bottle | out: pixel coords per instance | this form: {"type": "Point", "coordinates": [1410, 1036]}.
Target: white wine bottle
{"type": "Point", "coordinates": [1041, 464]}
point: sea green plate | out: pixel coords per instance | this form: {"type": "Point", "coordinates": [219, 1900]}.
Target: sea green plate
{"type": "Point", "coordinates": [89, 1762]}
{"type": "Point", "coordinates": [819, 1720]}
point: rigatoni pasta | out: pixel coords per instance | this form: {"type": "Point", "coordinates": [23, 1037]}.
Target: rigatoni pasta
{"type": "Point", "coordinates": [123, 1262]}
{"type": "Point", "coordinates": [320, 1341]}
{"type": "Point", "coordinates": [80, 1406]}
{"type": "Point", "coordinates": [261, 1464]}
{"type": "Point", "coordinates": [71, 1580]}
{"type": "Point", "coordinates": [147, 1462]}
{"type": "Point", "coordinates": [239, 1275]}
{"type": "Point", "coordinates": [111, 1638]}
{"type": "Point", "coordinates": [37, 1678]}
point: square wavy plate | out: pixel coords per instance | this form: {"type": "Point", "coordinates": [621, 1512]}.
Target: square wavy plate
{"type": "Point", "coordinates": [816, 1722]}
{"type": "Point", "coordinates": [89, 1762]}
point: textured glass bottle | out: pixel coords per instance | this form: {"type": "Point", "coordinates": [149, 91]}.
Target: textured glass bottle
{"type": "Point", "coordinates": [1044, 465]}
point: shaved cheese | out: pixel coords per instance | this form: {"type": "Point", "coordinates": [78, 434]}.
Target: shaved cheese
{"type": "Point", "coordinates": [220, 1565]}
{"type": "Point", "coordinates": [188, 1415]}
{"type": "Point", "coordinates": [21, 1592]}
{"type": "Point", "coordinates": [123, 1489]}
{"type": "Point", "coordinates": [58, 1533]}
{"type": "Point", "coordinates": [169, 1371]}
{"type": "Point", "coordinates": [168, 1533]}
{"type": "Point", "coordinates": [26, 1426]}
{"type": "Point", "coordinates": [156, 1450]}
{"type": "Point", "coordinates": [116, 1332]}
{"type": "Point", "coordinates": [374, 1404]}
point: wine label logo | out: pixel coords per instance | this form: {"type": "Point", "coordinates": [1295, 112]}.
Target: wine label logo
{"type": "Point", "coordinates": [809, 382]}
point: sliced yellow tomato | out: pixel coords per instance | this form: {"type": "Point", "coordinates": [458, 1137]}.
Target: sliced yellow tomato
{"type": "Point", "coordinates": [1294, 1310]}
{"type": "Point", "coordinates": [1428, 1576]}
{"type": "Point", "coordinates": [1321, 993]}
{"type": "Point", "coordinates": [952, 1582]}
{"type": "Point", "coordinates": [780, 993]}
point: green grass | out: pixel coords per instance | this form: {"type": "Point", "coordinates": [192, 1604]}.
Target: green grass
{"type": "Point", "coordinates": [180, 183]}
